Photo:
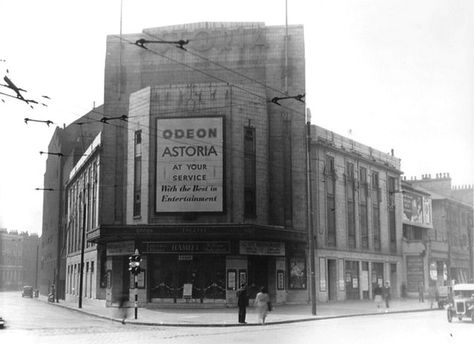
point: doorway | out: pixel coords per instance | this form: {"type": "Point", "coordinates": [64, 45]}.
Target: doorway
{"type": "Point", "coordinates": [393, 279]}
{"type": "Point", "coordinates": [257, 274]}
{"type": "Point", "coordinates": [351, 278]}
{"type": "Point", "coordinates": [332, 279]}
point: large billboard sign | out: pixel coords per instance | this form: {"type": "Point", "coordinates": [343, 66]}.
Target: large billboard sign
{"type": "Point", "coordinates": [189, 164]}
{"type": "Point", "coordinates": [417, 209]}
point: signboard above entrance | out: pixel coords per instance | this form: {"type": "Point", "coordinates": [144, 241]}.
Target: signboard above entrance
{"type": "Point", "coordinates": [189, 164]}
{"type": "Point", "coordinates": [188, 247]}
{"type": "Point", "coordinates": [120, 248]}
{"type": "Point", "coordinates": [262, 248]}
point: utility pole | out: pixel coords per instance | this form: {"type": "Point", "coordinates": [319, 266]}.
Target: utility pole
{"type": "Point", "coordinates": [311, 238]}
{"type": "Point", "coordinates": [36, 267]}
{"type": "Point", "coordinates": [83, 244]}
{"type": "Point", "coordinates": [60, 232]}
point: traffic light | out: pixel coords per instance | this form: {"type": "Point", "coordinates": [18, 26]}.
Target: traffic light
{"type": "Point", "coordinates": [134, 263]}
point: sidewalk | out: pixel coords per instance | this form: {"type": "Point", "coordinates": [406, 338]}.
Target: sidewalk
{"type": "Point", "coordinates": [228, 316]}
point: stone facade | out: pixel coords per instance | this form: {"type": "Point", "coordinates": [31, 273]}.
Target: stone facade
{"type": "Point", "coordinates": [451, 240]}
{"type": "Point", "coordinates": [18, 259]}
{"type": "Point", "coordinates": [351, 262]}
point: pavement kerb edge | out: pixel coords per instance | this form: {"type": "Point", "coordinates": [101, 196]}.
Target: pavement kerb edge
{"type": "Point", "coordinates": [239, 325]}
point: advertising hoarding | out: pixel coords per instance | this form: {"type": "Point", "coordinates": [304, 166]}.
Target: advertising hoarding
{"type": "Point", "coordinates": [417, 209]}
{"type": "Point", "coordinates": [189, 164]}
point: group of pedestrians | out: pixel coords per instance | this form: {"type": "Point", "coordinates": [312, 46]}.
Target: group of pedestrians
{"type": "Point", "coordinates": [262, 304]}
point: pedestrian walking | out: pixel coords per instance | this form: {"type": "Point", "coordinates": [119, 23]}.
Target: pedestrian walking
{"type": "Point", "coordinates": [242, 302]}
{"type": "Point", "coordinates": [122, 310]}
{"type": "Point", "coordinates": [386, 295]}
{"type": "Point", "coordinates": [421, 291]}
{"type": "Point", "coordinates": [378, 297]}
{"type": "Point", "coordinates": [261, 303]}
{"type": "Point", "coordinates": [432, 295]}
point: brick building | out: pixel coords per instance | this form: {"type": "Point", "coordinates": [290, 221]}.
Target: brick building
{"type": "Point", "coordinates": [67, 146]}
{"type": "Point", "coordinates": [357, 207]}
{"type": "Point", "coordinates": [451, 241]}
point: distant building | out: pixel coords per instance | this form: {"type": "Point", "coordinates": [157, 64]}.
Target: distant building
{"type": "Point", "coordinates": [30, 258]}
{"type": "Point", "coordinates": [18, 257]}
{"type": "Point", "coordinates": [451, 241]}
{"type": "Point", "coordinates": [357, 207]}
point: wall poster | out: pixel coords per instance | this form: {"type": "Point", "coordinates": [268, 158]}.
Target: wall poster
{"type": "Point", "coordinates": [242, 277]}
{"type": "Point", "coordinates": [322, 274]}
{"type": "Point", "coordinates": [297, 272]}
{"type": "Point", "coordinates": [280, 280]}
{"type": "Point", "coordinates": [231, 280]}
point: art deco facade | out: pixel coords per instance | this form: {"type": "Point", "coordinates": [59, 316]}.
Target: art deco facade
{"type": "Point", "coordinates": [205, 177]}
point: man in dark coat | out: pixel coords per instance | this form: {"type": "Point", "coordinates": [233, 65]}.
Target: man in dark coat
{"type": "Point", "coordinates": [242, 302]}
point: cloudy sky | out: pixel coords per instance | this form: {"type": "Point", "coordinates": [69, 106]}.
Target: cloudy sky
{"type": "Point", "coordinates": [396, 74]}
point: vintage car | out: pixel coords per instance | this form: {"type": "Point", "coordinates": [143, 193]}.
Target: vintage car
{"type": "Point", "coordinates": [462, 305]}
{"type": "Point", "coordinates": [27, 291]}
{"type": "Point", "coordinates": [444, 296]}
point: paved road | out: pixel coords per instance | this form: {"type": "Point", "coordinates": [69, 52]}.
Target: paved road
{"type": "Point", "coordinates": [30, 321]}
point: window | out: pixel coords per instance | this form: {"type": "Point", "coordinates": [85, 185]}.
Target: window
{"type": "Point", "coordinates": [137, 182]}
{"type": "Point", "coordinates": [350, 192]}
{"type": "Point", "coordinates": [250, 197]}
{"type": "Point", "coordinates": [376, 210]}
{"type": "Point", "coordinates": [330, 202]}
{"type": "Point", "coordinates": [391, 214]}
{"type": "Point", "coordinates": [363, 215]}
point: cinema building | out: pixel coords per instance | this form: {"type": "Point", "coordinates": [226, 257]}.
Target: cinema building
{"type": "Point", "coordinates": [205, 175]}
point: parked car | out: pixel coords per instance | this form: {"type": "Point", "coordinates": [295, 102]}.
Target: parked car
{"type": "Point", "coordinates": [462, 305]}
{"type": "Point", "coordinates": [2, 323]}
{"type": "Point", "coordinates": [444, 296]}
{"type": "Point", "coordinates": [27, 291]}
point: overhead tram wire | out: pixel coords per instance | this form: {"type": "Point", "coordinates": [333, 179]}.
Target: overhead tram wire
{"type": "Point", "coordinates": [261, 158]}
{"type": "Point", "coordinates": [238, 73]}
{"type": "Point", "coordinates": [227, 68]}
{"type": "Point", "coordinates": [213, 76]}
{"type": "Point", "coordinates": [205, 73]}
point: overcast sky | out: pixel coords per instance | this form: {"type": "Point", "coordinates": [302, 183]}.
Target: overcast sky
{"type": "Point", "coordinates": [396, 74]}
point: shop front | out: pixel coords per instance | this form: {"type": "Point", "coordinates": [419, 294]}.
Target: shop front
{"type": "Point", "coordinates": [189, 264]}
{"type": "Point", "coordinates": [189, 272]}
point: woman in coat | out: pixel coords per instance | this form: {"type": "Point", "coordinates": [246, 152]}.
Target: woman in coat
{"type": "Point", "coordinates": [261, 303]}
